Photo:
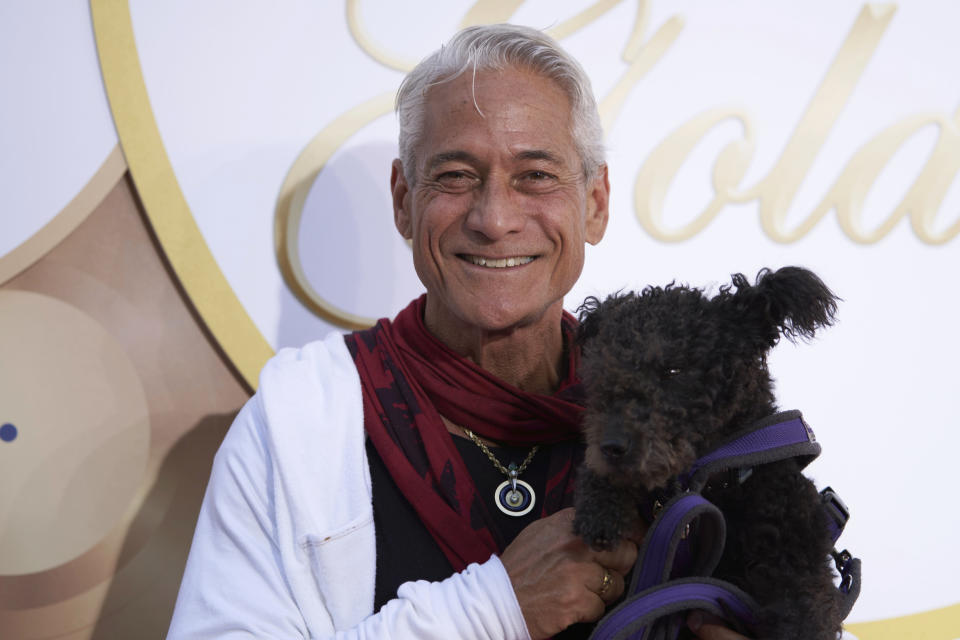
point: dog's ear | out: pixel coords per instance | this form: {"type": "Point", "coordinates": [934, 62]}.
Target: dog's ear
{"type": "Point", "coordinates": [589, 319]}
{"type": "Point", "coordinates": [593, 312]}
{"type": "Point", "coordinates": [791, 301]}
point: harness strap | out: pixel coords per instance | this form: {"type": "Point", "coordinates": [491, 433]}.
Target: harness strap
{"type": "Point", "coordinates": [849, 568]}
{"type": "Point", "coordinates": [777, 437]}
{"type": "Point", "coordinates": [647, 613]}
{"type": "Point", "coordinates": [635, 617]}
{"type": "Point", "coordinates": [656, 558]}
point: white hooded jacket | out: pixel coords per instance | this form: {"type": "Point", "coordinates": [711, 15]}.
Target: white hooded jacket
{"type": "Point", "coordinates": [284, 545]}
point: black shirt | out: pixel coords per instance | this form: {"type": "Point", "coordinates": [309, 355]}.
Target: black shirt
{"type": "Point", "coordinates": [406, 550]}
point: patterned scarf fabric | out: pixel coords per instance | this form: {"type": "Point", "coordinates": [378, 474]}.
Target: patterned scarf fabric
{"type": "Point", "coordinates": [409, 379]}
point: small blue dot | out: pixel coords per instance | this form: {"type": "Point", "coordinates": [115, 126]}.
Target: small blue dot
{"type": "Point", "coordinates": [8, 433]}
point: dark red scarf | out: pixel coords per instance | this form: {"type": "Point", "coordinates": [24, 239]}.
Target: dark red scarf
{"type": "Point", "coordinates": [409, 379]}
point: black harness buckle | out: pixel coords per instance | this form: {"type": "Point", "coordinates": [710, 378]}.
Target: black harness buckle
{"type": "Point", "coordinates": [835, 507]}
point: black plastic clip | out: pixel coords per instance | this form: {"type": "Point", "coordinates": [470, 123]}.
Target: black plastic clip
{"type": "Point", "coordinates": [842, 560]}
{"type": "Point", "coordinates": [837, 511]}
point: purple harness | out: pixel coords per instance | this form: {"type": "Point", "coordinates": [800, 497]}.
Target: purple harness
{"type": "Point", "coordinates": [655, 593]}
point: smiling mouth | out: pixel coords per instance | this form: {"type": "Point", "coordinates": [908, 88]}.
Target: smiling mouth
{"type": "Point", "coordinates": [498, 263]}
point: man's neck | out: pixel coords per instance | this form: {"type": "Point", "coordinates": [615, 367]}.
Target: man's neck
{"type": "Point", "coordinates": [530, 357]}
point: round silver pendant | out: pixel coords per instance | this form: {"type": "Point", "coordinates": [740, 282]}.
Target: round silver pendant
{"type": "Point", "coordinates": [515, 502]}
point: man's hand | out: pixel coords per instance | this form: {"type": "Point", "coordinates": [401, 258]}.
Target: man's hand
{"type": "Point", "coordinates": [559, 580]}
{"type": "Point", "coordinates": [708, 627]}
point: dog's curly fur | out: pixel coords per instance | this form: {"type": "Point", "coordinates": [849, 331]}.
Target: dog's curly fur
{"type": "Point", "coordinates": [670, 373]}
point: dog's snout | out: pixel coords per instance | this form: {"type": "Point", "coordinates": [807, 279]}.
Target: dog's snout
{"type": "Point", "coordinates": [614, 449]}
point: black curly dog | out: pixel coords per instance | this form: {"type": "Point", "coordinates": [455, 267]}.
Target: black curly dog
{"type": "Point", "coordinates": [670, 373]}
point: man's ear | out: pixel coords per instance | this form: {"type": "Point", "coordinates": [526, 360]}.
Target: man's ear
{"type": "Point", "coordinates": [400, 192]}
{"type": "Point", "coordinates": [598, 205]}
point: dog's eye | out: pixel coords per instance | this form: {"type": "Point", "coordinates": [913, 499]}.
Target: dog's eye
{"type": "Point", "coordinates": [671, 372]}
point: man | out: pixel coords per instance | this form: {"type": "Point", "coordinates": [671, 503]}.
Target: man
{"type": "Point", "coordinates": [357, 493]}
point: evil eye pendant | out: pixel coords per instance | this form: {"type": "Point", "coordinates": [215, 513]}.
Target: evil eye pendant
{"type": "Point", "coordinates": [515, 497]}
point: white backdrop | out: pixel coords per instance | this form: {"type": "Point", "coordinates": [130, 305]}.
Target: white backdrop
{"type": "Point", "coordinates": [239, 90]}
{"type": "Point", "coordinates": [54, 116]}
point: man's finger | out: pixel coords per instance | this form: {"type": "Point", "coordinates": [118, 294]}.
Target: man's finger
{"type": "Point", "coordinates": [611, 585]}
{"type": "Point", "coordinates": [621, 558]}
{"type": "Point", "coordinates": [709, 627]}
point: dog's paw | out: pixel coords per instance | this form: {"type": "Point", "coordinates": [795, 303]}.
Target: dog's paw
{"type": "Point", "coordinates": [597, 536]}
{"type": "Point", "coordinates": [603, 542]}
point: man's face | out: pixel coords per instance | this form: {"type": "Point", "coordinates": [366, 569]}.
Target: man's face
{"type": "Point", "coordinates": [500, 210]}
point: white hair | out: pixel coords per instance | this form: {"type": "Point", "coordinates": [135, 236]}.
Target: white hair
{"type": "Point", "coordinates": [494, 48]}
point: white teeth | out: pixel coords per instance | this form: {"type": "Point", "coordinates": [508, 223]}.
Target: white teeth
{"type": "Point", "coordinates": [499, 263]}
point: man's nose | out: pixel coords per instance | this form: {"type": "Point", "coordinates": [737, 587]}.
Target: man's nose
{"type": "Point", "coordinates": [497, 210]}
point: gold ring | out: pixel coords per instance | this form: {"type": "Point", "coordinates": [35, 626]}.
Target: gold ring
{"type": "Point", "coordinates": [605, 583]}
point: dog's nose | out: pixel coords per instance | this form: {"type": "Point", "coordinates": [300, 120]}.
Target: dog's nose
{"type": "Point", "coordinates": [614, 449]}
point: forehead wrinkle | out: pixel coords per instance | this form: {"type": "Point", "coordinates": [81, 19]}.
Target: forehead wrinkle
{"type": "Point", "coordinates": [465, 156]}
{"type": "Point", "coordinates": [538, 154]}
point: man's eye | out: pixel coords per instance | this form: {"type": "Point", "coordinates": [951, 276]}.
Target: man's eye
{"type": "Point", "coordinates": [454, 179]}
{"type": "Point", "coordinates": [539, 176]}
{"type": "Point", "coordinates": [536, 181]}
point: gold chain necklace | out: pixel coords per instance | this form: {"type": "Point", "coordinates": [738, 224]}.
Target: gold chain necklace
{"type": "Point", "coordinates": [513, 496]}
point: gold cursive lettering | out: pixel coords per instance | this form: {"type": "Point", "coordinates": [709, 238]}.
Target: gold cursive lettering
{"type": "Point", "coordinates": [923, 198]}
{"type": "Point", "coordinates": [314, 157]}
{"type": "Point", "coordinates": [774, 193]}
{"type": "Point", "coordinates": [926, 196]}
{"type": "Point", "coordinates": [482, 12]}
{"type": "Point", "coordinates": [777, 190]}
{"type": "Point", "coordinates": [641, 57]}
{"type": "Point", "coordinates": [661, 166]}
{"type": "Point", "coordinates": [293, 194]}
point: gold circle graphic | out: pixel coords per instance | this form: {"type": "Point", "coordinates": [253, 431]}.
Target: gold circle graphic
{"type": "Point", "coordinates": [163, 200]}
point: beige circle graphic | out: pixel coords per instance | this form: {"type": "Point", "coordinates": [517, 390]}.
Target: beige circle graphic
{"type": "Point", "coordinates": [82, 432]}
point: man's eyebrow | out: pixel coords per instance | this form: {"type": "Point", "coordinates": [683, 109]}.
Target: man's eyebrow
{"type": "Point", "coordinates": [538, 154]}
{"type": "Point", "coordinates": [450, 156]}
{"type": "Point", "coordinates": [464, 156]}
